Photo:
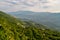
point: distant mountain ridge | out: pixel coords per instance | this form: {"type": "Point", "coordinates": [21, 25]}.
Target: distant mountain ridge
{"type": "Point", "coordinates": [14, 29]}
{"type": "Point", "coordinates": [49, 19]}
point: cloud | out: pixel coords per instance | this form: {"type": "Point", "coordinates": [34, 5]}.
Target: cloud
{"type": "Point", "coordinates": [30, 5]}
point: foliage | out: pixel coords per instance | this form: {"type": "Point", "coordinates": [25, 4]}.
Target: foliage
{"type": "Point", "coordinates": [14, 29]}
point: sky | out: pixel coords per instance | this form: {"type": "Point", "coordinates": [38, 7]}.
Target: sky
{"type": "Point", "coordinates": [30, 5]}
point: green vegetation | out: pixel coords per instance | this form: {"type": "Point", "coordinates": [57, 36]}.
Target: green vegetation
{"type": "Point", "coordinates": [14, 29]}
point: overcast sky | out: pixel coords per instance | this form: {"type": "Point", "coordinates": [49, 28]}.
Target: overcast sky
{"type": "Point", "coordinates": [30, 5]}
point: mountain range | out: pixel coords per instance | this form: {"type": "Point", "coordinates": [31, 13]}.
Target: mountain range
{"type": "Point", "coordinates": [51, 20]}
{"type": "Point", "coordinates": [16, 29]}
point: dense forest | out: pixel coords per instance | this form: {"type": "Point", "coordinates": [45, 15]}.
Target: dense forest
{"type": "Point", "coordinates": [15, 29]}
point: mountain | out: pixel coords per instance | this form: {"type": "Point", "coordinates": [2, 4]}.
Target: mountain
{"type": "Point", "coordinates": [52, 20]}
{"type": "Point", "coordinates": [15, 29]}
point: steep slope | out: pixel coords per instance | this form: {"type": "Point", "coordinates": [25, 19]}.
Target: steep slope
{"type": "Point", "coordinates": [8, 26]}
{"type": "Point", "coordinates": [13, 29]}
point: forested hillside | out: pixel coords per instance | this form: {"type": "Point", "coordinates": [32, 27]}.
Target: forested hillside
{"type": "Point", "coordinates": [14, 29]}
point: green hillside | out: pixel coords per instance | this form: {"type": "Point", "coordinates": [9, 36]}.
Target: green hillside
{"type": "Point", "coordinates": [14, 29]}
